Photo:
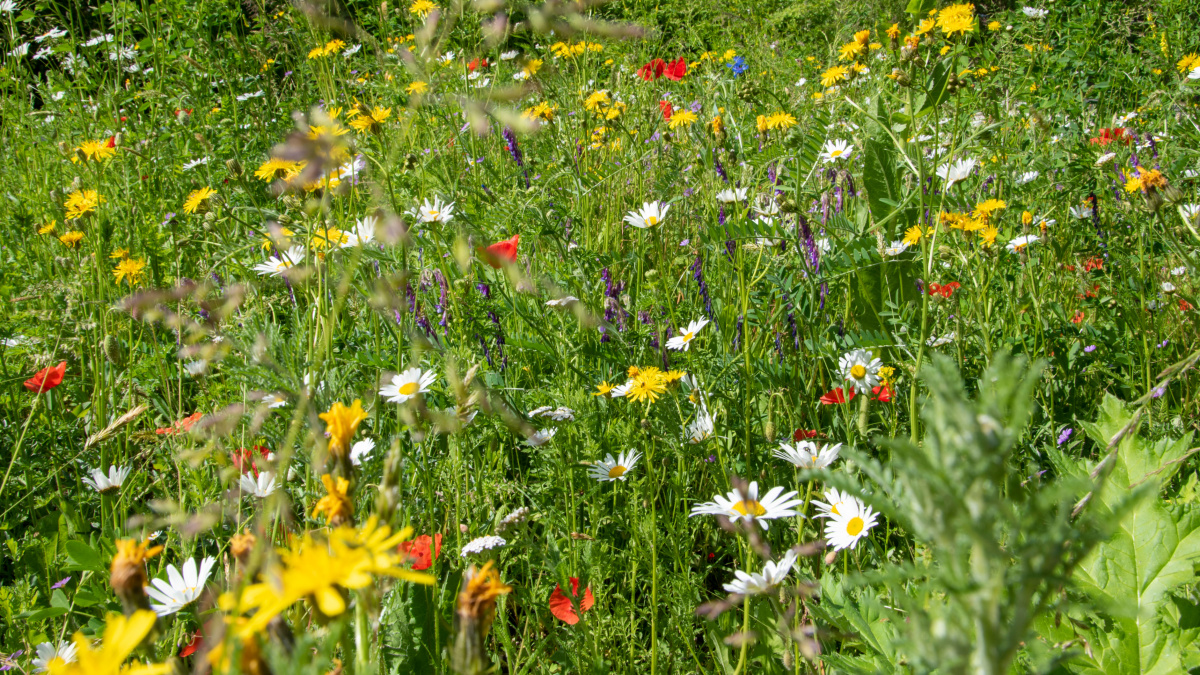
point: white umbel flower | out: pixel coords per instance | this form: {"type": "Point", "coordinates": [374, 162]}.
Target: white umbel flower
{"type": "Point", "coordinates": [737, 506]}
{"type": "Point", "coordinates": [651, 214]}
{"type": "Point", "coordinates": [852, 524]}
{"type": "Point", "coordinates": [260, 487]}
{"type": "Point", "coordinates": [437, 212]}
{"type": "Point", "coordinates": [957, 171]}
{"type": "Point", "coordinates": [608, 469]}
{"type": "Point", "coordinates": [683, 341]}
{"type": "Point", "coordinates": [773, 573]}
{"type": "Point", "coordinates": [834, 151]}
{"type": "Point", "coordinates": [807, 455]}
{"type": "Point", "coordinates": [49, 654]}
{"type": "Point", "coordinates": [110, 483]}
{"type": "Point", "coordinates": [1034, 13]}
{"type": "Point", "coordinates": [181, 588]}
{"type": "Point", "coordinates": [860, 369]}
{"type": "Point", "coordinates": [276, 265]}
{"type": "Point", "coordinates": [481, 544]}
{"type": "Point", "coordinates": [407, 385]}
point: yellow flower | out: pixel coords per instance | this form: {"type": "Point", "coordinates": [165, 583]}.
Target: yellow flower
{"type": "Point", "coordinates": [532, 66]}
{"type": "Point", "coordinates": [603, 388]}
{"type": "Point", "coordinates": [988, 235]}
{"type": "Point", "coordinates": [119, 253]}
{"type": "Point", "coordinates": [673, 376]}
{"type": "Point", "coordinates": [417, 87]}
{"type": "Point", "coordinates": [336, 504]}
{"type": "Point", "coordinates": [121, 637]}
{"type": "Point", "coordinates": [48, 227]}
{"type": "Point", "coordinates": [924, 27]}
{"type": "Point", "coordinates": [1188, 62]}
{"type": "Point", "coordinates": [994, 25]}
{"type": "Point", "coordinates": [728, 55]}
{"type": "Point", "coordinates": [893, 31]}
{"type": "Point", "coordinates": [958, 18]}
{"type": "Point", "coordinates": [327, 239]}
{"type": "Point", "coordinates": [862, 37]}
{"type": "Point", "coordinates": [340, 423]}
{"type": "Point", "coordinates": [914, 234]}
{"type": "Point", "coordinates": [717, 125]}
{"type": "Point", "coordinates": [886, 375]}
{"type": "Point", "coordinates": [284, 235]}
{"type": "Point", "coordinates": [781, 120]}
{"type": "Point", "coordinates": [477, 599]}
{"type": "Point", "coordinates": [371, 121]}
{"type": "Point", "coordinates": [648, 384]}
{"type": "Point", "coordinates": [199, 200]}
{"type": "Point", "coordinates": [851, 51]}
{"type": "Point", "coordinates": [542, 110]}
{"type": "Point", "coordinates": [421, 8]}
{"type": "Point", "coordinates": [129, 270]}
{"type": "Point", "coordinates": [94, 151]}
{"type": "Point", "coordinates": [834, 75]}
{"type": "Point", "coordinates": [596, 100]}
{"type": "Point", "coordinates": [682, 118]}
{"type": "Point", "coordinates": [275, 168]}
{"type": "Point", "coordinates": [985, 208]}
{"type": "Point", "coordinates": [70, 239]}
{"type": "Point", "coordinates": [1026, 218]}
{"type": "Point", "coordinates": [82, 202]}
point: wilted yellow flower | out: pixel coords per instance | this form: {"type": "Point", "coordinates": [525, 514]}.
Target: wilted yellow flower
{"type": "Point", "coordinates": [335, 505]}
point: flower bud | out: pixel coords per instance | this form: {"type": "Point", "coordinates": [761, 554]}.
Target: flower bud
{"type": "Point", "coordinates": [234, 167]}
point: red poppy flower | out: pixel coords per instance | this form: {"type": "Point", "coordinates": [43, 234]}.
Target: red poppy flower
{"type": "Point", "coordinates": [418, 552]}
{"type": "Point", "coordinates": [837, 396]}
{"type": "Point", "coordinates": [181, 426]}
{"type": "Point", "coordinates": [1109, 136]}
{"type": "Point", "coordinates": [803, 434]}
{"type": "Point", "coordinates": [1184, 305]}
{"type": "Point", "coordinates": [882, 393]}
{"type": "Point", "coordinates": [1093, 263]}
{"type": "Point", "coordinates": [47, 378]}
{"type": "Point", "coordinates": [1078, 318]}
{"type": "Point", "coordinates": [676, 69]}
{"type": "Point", "coordinates": [476, 63]}
{"type": "Point", "coordinates": [197, 640]}
{"type": "Point", "coordinates": [667, 110]}
{"type": "Point", "coordinates": [502, 252]}
{"type": "Point", "coordinates": [244, 456]}
{"type": "Point", "coordinates": [1069, 268]}
{"type": "Point", "coordinates": [561, 606]}
{"type": "Point", "coordinates": [652, 70]}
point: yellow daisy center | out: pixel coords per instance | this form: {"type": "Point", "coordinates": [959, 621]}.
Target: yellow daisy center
{"type": "Point", "coordinates": [854, 526]}
{"type": "Point", "coordinates": [688, 337]}
{"type": "Point", "coordinates": [652, 220]}
{"type": "Point", "coordinates": [835, 153]}
{"type": "Point", "coordinates": [749, 507]}
{"type": "Point", "coordinates": [409, 388]}
{"type": "Point", "coordinates": [617, 471]}
{"type": "Point", "coordinates": [859, 371]}
{"type": "Point", "coordinates": [833, 509]}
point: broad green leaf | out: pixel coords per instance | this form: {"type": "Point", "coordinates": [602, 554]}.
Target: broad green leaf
{"type": "Point", "coordinates": [80, 556]}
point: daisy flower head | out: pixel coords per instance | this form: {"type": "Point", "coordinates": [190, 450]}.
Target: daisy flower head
{"type": "Point", "coordinates": [807, 455]}
{"type": "Point", "coordinates": [834, 151]}
{"type": "Point", "coordinates": [702, 427]}
{"type": "Point", "coordinates": [651, 214]}
{"type": "Point", "coordinates": [609, 469]}
{"type": "Point", "coordinates": [541, 437]}
{"type": "Point", "coordinates": [112, 482]}
{"type": "Point", "coordinates": [281, 262]}
{"type": "Point", "coordinates": [861, 369]}
{"type": "Point", "coordinates": [260, 486]}
{"type": "Point", "coordinates": [773, 573]}
{"type": "Point", "coordinates": [732, 195]}
{"type": "Point", "coordinates": [51, 655]}
{"type": "Point", "coordinates": [1018, 244]}
{"type": "Point", "coordinates": [844, 530]}
{"type": "Point", "coordinates": [956, 172]}
{"type": "Point", "coordinates": [362, 234]}
{"type": "Point", "coordinates": [833, 507]}
{"type": "Point", "coordinates": [437, 212]}
{"type": "Point", "coordinates": [361, 451]}
{"type": "Point", "coordinates": [181, 588]}
{"type": "Point", "coordinates": [683, 341]}
{"type": "Point", "coordinates": [407, 385]}
{"type": "Point", "coordinates": [749, 507]}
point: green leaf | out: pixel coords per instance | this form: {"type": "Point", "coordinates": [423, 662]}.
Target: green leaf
{"type": "Point", "coordinates": [935, 90]}
{"type": "Point", "coordinates": [43, 614]}
{"type": "Point", "coordinates": [879, 177]}
{"type": "Point", "coordinates": [80, 556]}
{"type": "Point", "coordinates": [920, 7]}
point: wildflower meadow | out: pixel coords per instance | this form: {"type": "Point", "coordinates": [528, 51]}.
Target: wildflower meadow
{"type": "Point", "coordinates": [418, 336]}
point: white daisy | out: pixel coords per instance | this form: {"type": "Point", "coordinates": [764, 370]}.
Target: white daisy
{"type": "Point", "coordinates": [807, 455]}
{"type": "Point", "coordinates": [702, 426]}
{"type": "Point", "coordinates": [48, 654]}
{"type": "Point", "coordinates": [773, 573]}
{"type": "Point", "coordinates": [195, 163]}
{"type": "Point", "coordinates": [852, 524]}
{"type": "Point", "coordinates": [1081, 212]}
{"type": "Point", "coordinates": [832, 507]}
{"type": "Point", "coordinates": [736, 506]}
{"type": "Point", "coordinates": [1019, 243]}
{"type": "Point", "coordinates": [180, 589]}
{"type": "Point", "coordinates": [260, 487]}
{"type": "Point", "coordinates": [608, 469]}
{"type": "Point", "coordinates": [481, 544]}
{"type": "Point", "coordinates": [1027, 177]}
{"type": "Point", "coordinates": [363, 232]}
{"type": "Point", "coordinates": [351, 51]}
{"type": "Point", "coordinates": [1195, 74]}
{"type": "Point", "coordinates": [110, 483]}
{"type": "Point", "coordinates": [276, 265]}
{"type": "Point", "coordinates": [899, 246]}
{"type": "Point", "coordinates": [437, 212]}
{"type": "Point", "coordinates": [509, 55]}
{"type": "Point", "coordinates": [564, 301]}
{"type": "Point", "coordinates": [1179, 271]}
{"type": "Point", "coordinates": [957, 171]}
{"type": "Point", "coordinates": [407, 385]}
{"type": "Point", "coordinates": [248, 96]}
{"type": "Point", "coordinates": [541, 437]}
{"type": "Point", "coordinates": [196, 368]}
{"type": "Point", "coordinates": [274, 401]}
{"type": "Point", "coordinates": [561, 414]}
{"type": "Point", "coordinates": [732, 195]}
{"type": "Point", "coordinates": [361, 451]}
{"type": "Point", "coordinates": [861, 369]}
{"type": "Point", "coordinates": [651, 214]}
{"type": "Point", "coordinates": [834, 151]}
{"type": "Point", "coordinates": [683, 341]}
{"type": "Point", "coordinates": [1167, 287]}
{"type": "Point", "coordinates": [620, 390]}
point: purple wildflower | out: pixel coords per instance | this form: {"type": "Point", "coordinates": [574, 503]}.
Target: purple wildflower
{"type": "Point", "coordinates": [1065, 435]}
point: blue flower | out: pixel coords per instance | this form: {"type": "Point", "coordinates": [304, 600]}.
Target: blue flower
{"type": "Point", "coordinates": [737, 65]}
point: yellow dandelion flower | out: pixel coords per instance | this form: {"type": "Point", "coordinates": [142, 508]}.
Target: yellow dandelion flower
{"type": "Point", "coordinates": [421, 8]}
{"type": "Point", "coordinates": [129, 270]}
{"type": "Point", "coordinates": [958, 18]}
{"type": "Point", "coordinates": [199, 201]}
{"type": "Point", "coordinates": [275, 168]}
{"type": "Point", "coordinates": [48, 227]}
{"type": "Point", "coordinates": [682, 118]}
{"type": "Point", "coordinates": [417, 87]}
{"type": "Point", "coordinates": [850, 51]}
{"type": "Point", "coordinates": [893, 31]}
{"type": "Point", "coordinates": [603, 389]}
{"type": "Point", "coordinates": [82, 202]}
{"type": "Point", "coordinates": [94, 151]}
{"type": "Point", "coordinates": [371, 121]}
{"type": "Point", "coordinates": [833, 76]}
{"type": "Point", "coordinates": [335, 505]}
{"type": "Point", "coordinates": [782, 120]}
{"type": "Point", "coordinates": [1188, 62]}
{"type": "Point", "coordinates": [70, 239]}
{"type": "Point", "coordinates": [341, 422]}
{"type": "Point", "coordinates": [122, 635]}
{"type": "Point", "coordinates": [988, 235]}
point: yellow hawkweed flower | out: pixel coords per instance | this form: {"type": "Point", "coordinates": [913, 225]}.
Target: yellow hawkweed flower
{"type": "Point", "coordinates": [70, 239]}
{"type": "Point", "coordinates": [335, 505]}
{"type": "Point", "coordinates": [129, 270]}
{"type": "Point", "coordinates": [1188, 62]}
{"type": "Point", "coordinates": [993, 25]}
{"type": "Point", "coordinates": [477, 599]}
{"type": "Point", "coordinates": [781, 120]}
{"type": "Point", "coordinates": [94, 151]}
{"type": "Point", "coordinates": [893, 31]}
{"type": "Point", "coordinates": [421, 8]}
{"type": "Point", "coordinates": [862, 37]}
{"type": "Point", "coordinates": [417, 87]}
{"type": "Point", "coordinates": [276, 168]}
{"type": "Point", "coordinates": [647, 385]}
{"type": "Point", "coordinates": [542, 110]}
{"type": "Point", "coordinates": [914, 234]}
{"type": "Point", "coordinates": [603, 388]}
{"type": "Point", "coordinates": [717, 125]}
{"type": "Point", "coordinates": [122, 635]}
{"type": "Point", "coordinates": [48, 227]}
{"type": "Point", "coordinates": [958, 18]}
{"type": "Point", "coordinates": [988, 235]}
{"type": "Point", "coordinates": [127, 574]}
{"type": "Point", "coordinates": [851, 51]}
{"type": "Point", "coordinates": [82, 202]}
{"type": "Point", "coordinates": [199, 201]}
{"type": "Point", "coordinates": [340, 423]}
{"type": "Point", "coordinates": [833, 76]}
{"type": "Point", "coordinates": [532, 66]}
{"type": "Point", "coordinates": [1026, 218]}
{"type": "Point", "coordinates": [371, 121]}
{"type": "Point", "coordinates": [985, 208]}
{"type": "Point", "coordinates": [682, 118]}
{"type": "Point", "coordinates": [924, 27]}
{"type": "Point", "coordinates": [119, 253]}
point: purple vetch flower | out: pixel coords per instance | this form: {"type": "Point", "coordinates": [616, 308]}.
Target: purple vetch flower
{"type": "Point", "coordinates": [1065, 435]}
{"type": "Point", "coordinates": [8, 662]}
{"type": "Point", "coordinates": [688, 192]}
{"type": "Point", "coordinates": [720, 169]}
{"type": "Point", "coordinates": [484, 290]}
{"type": "Point", "coordinates": [510, 140]}
{"type": "Point", "coordinates": [486, 353]}
{"type": "Point", "coordinates": [696, 107]}
{"type": "Point", "coordinates": [698, 275]}
{"type": "Point", "coordinates": [711, 459]}
{"type": "Point", "coordinates": [168, 217]}
{"type": "Point", "coordinates": [1089, 349]}
{"type": "Point", "coordinates": [792, 326]}
{"type": "Point", "coordinates": [810, 244]}
{"type": "Point", "coordinates": [737, 332]}
{"type": "Point", "coordinates": [1158, 392]}
{"type": "Point", "coordinates": [60, 584]}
